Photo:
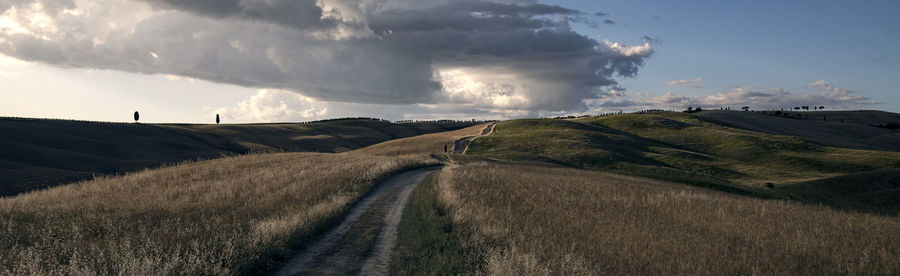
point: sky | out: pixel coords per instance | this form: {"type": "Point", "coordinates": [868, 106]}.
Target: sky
{"type": "Point", "coordinates": [301, 60]}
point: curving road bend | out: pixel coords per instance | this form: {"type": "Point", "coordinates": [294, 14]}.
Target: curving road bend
{"type": "Point", "coordinates": [462, 145]}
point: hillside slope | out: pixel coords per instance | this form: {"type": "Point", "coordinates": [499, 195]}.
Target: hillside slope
{"type": "Point", "coordinates": [36, 154]}
{"type": "Point", "coordinates": [843, 129]}
{"type": "Point", "coordinates": [426, 143]}
{"type": "Point", "coordinates": [682, 148]}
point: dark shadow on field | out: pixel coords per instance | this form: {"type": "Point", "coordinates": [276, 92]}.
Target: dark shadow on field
{"type": "Point", "coordinates": [818, 165]}
{"type": "Point", "coordinates": [40, 153]}
{"type": "Point", "coordinates": [43, 153]}
{"type": "Point", "coordinates": [632, 159]}
{"type": "Point", "coordinates": [842, 129]}
{"type": "Point", "coordinates": [876, 192]}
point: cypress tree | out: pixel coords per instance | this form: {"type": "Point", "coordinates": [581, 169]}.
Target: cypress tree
{"type": "Point", "coordinates": [217, 119]}
{"type": "Point", "coordinates": [136, 116]}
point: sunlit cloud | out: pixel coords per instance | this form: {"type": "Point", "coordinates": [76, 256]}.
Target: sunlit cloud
{"type": "Point", "coordinates": [693, 84]}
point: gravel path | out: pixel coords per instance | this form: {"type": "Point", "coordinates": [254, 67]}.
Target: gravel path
{"type": "Point", "coordinates": [335, 252]}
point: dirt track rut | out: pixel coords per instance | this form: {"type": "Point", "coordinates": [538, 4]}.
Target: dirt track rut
{"type": "Point", "coordinates": [363, 241]}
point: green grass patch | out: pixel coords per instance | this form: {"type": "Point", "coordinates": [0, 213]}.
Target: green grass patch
{"type": "Point", "coordinates": [679, 147]}
{"type": "Point", "coordinates": [426, 241]}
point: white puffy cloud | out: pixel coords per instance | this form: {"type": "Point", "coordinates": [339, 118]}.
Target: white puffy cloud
{"type": "Point", "coordinates": [627, 51]}
{"type": "Point", "coordinates": [822, 94]}
{"type": "Point", "coordinates": [270, 105]}
{"type": "Point", "coordinates": [273, 105]}
{"type": "Point", "coordinates": [693, 84]}
{"type": "Point", "coordinates": [512, 55]}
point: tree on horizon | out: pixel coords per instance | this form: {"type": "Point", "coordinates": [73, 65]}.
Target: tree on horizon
{"type": "Point", "coordinates": [217, 119]}
{"type": "Point", "coordinates": [137, 116]}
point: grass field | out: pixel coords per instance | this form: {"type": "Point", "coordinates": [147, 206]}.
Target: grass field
{"type": "Point", "coordinates": [679, 147]}
{"type": "Point", "coordinates": [235, 215]}
{"type": "Point", "coordinates": [534, 220]}
{"type": "Point", "coordinates": [595, 195]}
{"type": "Point", "coordinates": [38, 154]}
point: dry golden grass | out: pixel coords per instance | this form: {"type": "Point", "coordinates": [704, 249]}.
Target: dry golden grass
{"type": "Point", "coordinates": [540, 220]}
{"type": "Point", "coordinates": [227, 216]}
{"type": "Point", "coordinates": [426, 143]}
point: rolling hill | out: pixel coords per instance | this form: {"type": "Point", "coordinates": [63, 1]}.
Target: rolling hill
{"type": "Point", "coordinates": [448, 141]}
{"type": "Point", "coordinates": [843, 129]}
{"type": "Point", "coordinates": [687, 149]}
{"type": "Point", "coordinates": [37, 153]}
{"type": "Point", "coordinates": [652, 193]}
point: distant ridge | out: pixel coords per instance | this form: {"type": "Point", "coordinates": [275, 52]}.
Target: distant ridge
{"type": "Point", "coordinates": [40, 153]}
{"type": "Point", "coordinates": [843, 129]}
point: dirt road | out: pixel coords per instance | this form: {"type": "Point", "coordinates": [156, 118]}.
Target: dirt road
{"type": "Point", "coordinates": [462, 145]}
{"type": "Point", "coordinates": [362, 242]}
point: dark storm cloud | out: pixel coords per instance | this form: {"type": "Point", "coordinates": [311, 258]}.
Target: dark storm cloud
{"type": "Point", "coordinates": [216, 8]}
{"type": "Point", "coordinates": [485, 54]}
{"type": "Point", "coordinates": [293, 13]}
{"type": "Point", "coordinates": [466, 16]}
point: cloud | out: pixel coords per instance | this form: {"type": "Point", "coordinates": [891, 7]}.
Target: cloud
{"type": "Point", "coordinates": [884, 60]}
{"type": "Point", "coordinates": [629, 51]}
{"type": "Point", "coordinates": [601, 14]}
{"type": "Point", "coordinates": [822, 94]}
{"type": "Point", "coordinates": [651, 40]}
{"type": "Point", "coordinates": [520, 55]}
{"type": "Point", "coordinates": [609, 22]}
{"type": "Point", "coordinates": [693, 84]}
{"type": "Point", "coordinates": [829, 91]}
{"type": "Point", "coordinates": [301, 14]}
{"type": "Point", "coordinates": [274, 106]}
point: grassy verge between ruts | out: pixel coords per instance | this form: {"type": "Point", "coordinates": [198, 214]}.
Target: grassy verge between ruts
{"type": "Point", "coordinates": [426, 241]}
